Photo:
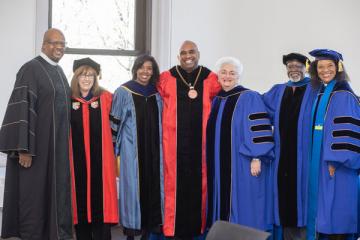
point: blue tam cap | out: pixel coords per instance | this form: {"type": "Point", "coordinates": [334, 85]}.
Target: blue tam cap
{"type": "Point", "coordinates": [321, 54]}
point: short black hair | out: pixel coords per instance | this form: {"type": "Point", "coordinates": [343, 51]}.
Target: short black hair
{"type": "Point", "coordinates": [139, 61]}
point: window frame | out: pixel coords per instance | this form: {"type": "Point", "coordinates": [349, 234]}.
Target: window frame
{"type": "Point", "coordinates": [142, 36]}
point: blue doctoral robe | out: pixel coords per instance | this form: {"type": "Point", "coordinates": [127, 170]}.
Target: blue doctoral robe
{"type": "Point", "coordinates": [272, 100]}
{"type": "Point", "coordinates": [127, 145]}
{"type": "Point", "coordinates": [239, 130]}
{"type": "Point", "coordinates": [337, 205]}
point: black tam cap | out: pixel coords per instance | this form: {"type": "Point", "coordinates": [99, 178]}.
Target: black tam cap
{"type": "Point", "coordinates": [295, 56]}
{"type": "Point", "coordinates": [88, 62]}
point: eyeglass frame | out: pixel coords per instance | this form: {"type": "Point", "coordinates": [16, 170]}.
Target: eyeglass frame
{"type": "Point", "coordinates": [57, 43]}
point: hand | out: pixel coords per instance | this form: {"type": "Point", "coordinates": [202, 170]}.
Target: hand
{"type": "Point", "coordinates": [25, 160]}
{"type": "Point", "coordinates": [255, 167]}
{"type": "Point", "coordinates": [331, 170]}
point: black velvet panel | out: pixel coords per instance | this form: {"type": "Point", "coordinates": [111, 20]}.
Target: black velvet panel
{"type": "Point", "coordinates": [287, 169]}
{"type": "Point", "coordinates": [148, 140]}
{"type": "Point", "coordinates": [97, 213]}
{"type": "Point", "coordinates": [262, 127]}
{"type": "Point", "coordinates": [210, 154]}
{"type": "Point", "coordinates": [347, 120]}
{"type": "Point", "coordinates": [79, 163]}
{"type": "Point", "coordinates": [257, 116]}
{"type": "Point", "coordinates": [345, 146]}
{"type": "Point", "coordinates": [225, 156]}
{"type": "Point", "coordinates": [263, 139]}
{"type": "Point", "coordinates": [346, 133]}
{"type": "Point", "coordinates": [189, 154]}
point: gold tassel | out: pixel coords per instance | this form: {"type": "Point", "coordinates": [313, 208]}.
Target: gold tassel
{"type": "Point", "coordinates": [307, 65]}
{"type": "Point", "coordinates": [117, 166]}
{"type": "Point", "coordinates": [340, 66]}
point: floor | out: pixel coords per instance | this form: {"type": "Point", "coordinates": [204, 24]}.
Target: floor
{"type": "Point", "coordinates": [116, 231]}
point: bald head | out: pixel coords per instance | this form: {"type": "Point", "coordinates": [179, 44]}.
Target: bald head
{"type": "Point", "coordinates": [53, 44]}
{"type": "Point", "coordinates": [188, 56]}
{"type": "Point", "coordinates": [187, 43]}
{"type": "Point", "coordinates": [51, 33]}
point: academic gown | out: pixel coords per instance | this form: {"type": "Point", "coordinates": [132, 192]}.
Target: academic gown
{"type": "Point", "coordinates": [37, 201]}
{"type": "Point", "coordinates": [136, 124]}
{"type": "Point", "coordinates": [337, 207]}
{"type": "Point", "coordinates": [294, 148]}
{"type": "Point", "coordinates": [94, 194]}
{"type": "Point", "coordinates": [239, 130]}
{"type": "Point", "coordinates": [184, 139]}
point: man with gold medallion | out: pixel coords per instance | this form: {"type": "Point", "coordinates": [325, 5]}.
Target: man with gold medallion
{"type": "Point", "coordinates": [187, 90]}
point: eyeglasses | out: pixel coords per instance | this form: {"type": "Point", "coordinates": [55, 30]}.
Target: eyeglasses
{"type": "Point", "coordinates": [294, 66]}
{"type": "Point", "coordinates": [88, 76]}
{"type": "Point", "coordinates": [57, 43]}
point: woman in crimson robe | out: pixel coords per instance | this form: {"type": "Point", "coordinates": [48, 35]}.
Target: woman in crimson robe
{"type": "Point", "coordinates": [94, 195]}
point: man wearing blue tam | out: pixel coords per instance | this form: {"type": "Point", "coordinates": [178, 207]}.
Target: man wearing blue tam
{"type": "Point", "coordinates": [335, 151]}
{"type": "Point", "coordinates": [289, 105]}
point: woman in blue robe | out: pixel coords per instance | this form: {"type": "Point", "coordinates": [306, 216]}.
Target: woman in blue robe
{"type": "Point", "coordinates": [239, 152]}
{"type": "Point", "coordinates": [136, 124]}
{"type": "Point", "coordinates": [335, 151]}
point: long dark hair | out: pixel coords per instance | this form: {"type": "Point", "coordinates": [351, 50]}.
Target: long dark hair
{"type": "Point", "coordinates": [139, 61]}
{"type": "Point", "coordinates": [315, 79]}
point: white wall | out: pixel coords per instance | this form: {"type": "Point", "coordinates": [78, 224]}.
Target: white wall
{"type": "Point", "coordinates": [17, 45]}
{"type": "Point", "coordinates": [259, 32]}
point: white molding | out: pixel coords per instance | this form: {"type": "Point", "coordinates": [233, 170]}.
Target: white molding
{"type": "Point", "coordinates": [161, 36]}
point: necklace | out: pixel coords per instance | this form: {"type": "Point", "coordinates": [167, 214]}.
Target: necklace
{"type": "Point", "coordinates": [192, 93]}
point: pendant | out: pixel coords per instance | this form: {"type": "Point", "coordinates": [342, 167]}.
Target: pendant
{"type": "Point", "coordinates": [192, 93]}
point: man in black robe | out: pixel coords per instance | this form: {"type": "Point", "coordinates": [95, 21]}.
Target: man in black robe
{"type": "Point", "coordinates": [35, 135]}
{"type": "Point", "coordinates": [289, 105]}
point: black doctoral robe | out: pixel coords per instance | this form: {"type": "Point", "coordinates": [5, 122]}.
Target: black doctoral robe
{"type": "Point", "coordinates": [37, 202]}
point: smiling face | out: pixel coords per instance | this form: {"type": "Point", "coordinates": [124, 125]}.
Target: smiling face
{"type": "Point", "coordinates": [189, 56]}
{"type": "Point", "coordinates": [54, 44]}
{"type": "Point", "coordinates": [295, 70]}
{"type": "Point", "coordinates": [86, 81]}
{"type": "Point", "coordinates": [144, 73]}
{"type": "Point", "coordinates": [326, 70]}
{"type": "Point", "coordinates": [228, 77]}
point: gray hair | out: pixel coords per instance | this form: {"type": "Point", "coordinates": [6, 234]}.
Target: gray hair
{"type": "Point", "coordinates": [232, 61]}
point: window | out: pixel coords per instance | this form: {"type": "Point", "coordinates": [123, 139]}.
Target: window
{"type": "Point", "coordinates": [112, 32]}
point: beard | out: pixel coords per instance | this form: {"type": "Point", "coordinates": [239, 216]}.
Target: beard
{"type": "Point", "coordinates": [295, 77]}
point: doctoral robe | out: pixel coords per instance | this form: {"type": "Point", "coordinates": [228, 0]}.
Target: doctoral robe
{"type": "Point", "coordinates": [136, 125]}
{"type": "Point", "coordinates": [93, 165]}
{"type": "Point", "coordinates": [290, 113]}
{"type": "Point", "coordinates": [184, 139]}
{"type": "Point", "coordinates": [238, 131]}
{"type": "Point", "coordinates": [37, 200]}
{"type": "Point", "coordinates": [337, 198]}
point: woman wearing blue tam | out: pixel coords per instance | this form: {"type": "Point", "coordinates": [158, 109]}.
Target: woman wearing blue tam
{"type": "Point", "coordinates": [335, 151]}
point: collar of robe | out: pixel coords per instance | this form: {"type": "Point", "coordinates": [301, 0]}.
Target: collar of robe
{"type": "Point", "coordinates": [235, 90]}
{"type": "Point", "coordinates": [140, 89]}
{"type": "Point", "coordinates": [300, 83]}
{"type": "Point", "coordinates": [47, 59]}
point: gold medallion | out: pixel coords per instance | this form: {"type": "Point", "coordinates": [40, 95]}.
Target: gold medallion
{"type": "Point", "coordinates": [192, 93]}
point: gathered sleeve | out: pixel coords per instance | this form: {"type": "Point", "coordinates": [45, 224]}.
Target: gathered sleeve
{"type": "Point", "coordinates": [254, 127]}
{"type": "Point", "coordinates": [342, 131]}
{"type": "Point", "coordinates": [117, 116]}
{"type": "Point", "coordinates": [18, 130]}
